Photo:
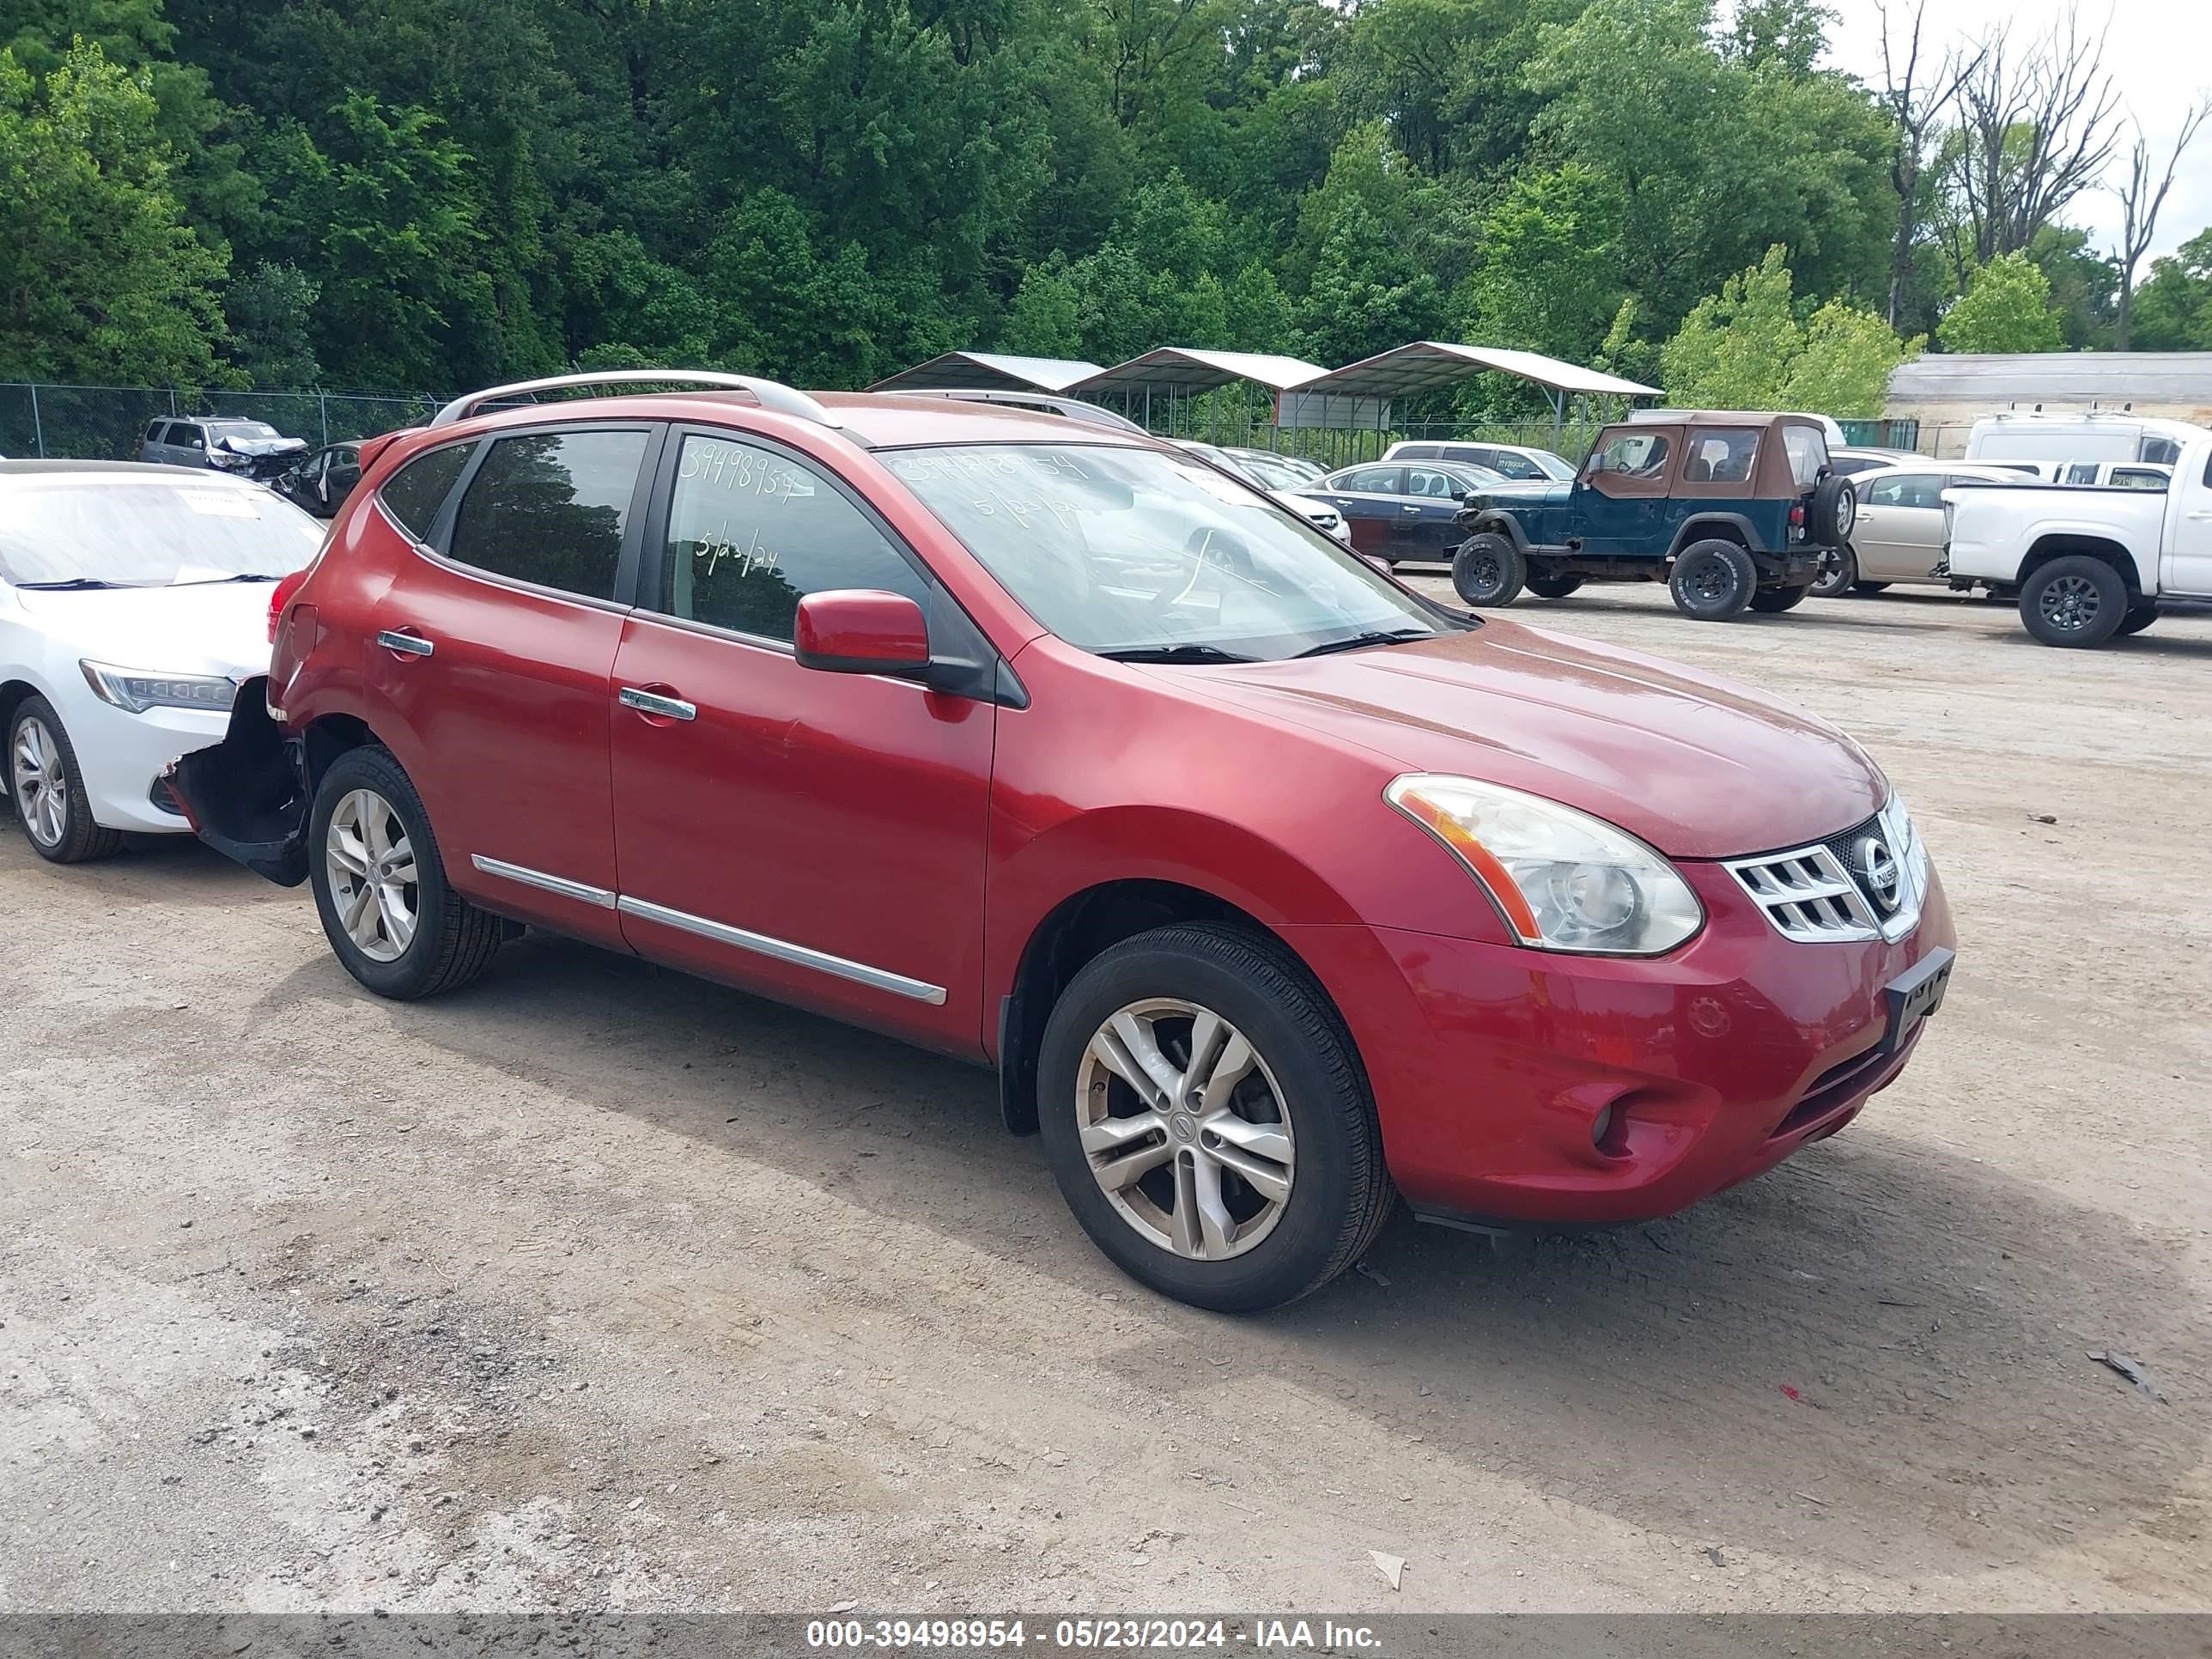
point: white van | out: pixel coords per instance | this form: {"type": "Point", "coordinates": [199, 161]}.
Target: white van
{"type": "Point", "coordinates": [2094, 436]}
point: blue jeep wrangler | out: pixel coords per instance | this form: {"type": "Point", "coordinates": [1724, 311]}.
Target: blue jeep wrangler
{"type": "Point", "coordinates": [1730, 511]}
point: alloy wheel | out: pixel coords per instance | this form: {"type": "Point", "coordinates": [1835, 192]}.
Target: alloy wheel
{"type": "Point", "coordinates": [1185, 1130]}
{"type": "Point", "coordinates": [41, 783]}
{"type": "Point", "coordinates": [2070, 603]}
{"type": "Point", "coordinates": [370, 864]}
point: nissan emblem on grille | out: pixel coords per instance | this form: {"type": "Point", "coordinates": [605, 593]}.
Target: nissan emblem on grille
{"type": "Point", "coordinates": [1884, 874]}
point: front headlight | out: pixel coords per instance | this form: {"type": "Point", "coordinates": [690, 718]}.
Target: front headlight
{"type": "Point", "coordinates": [1563, 880]}
{"type": "Point", "coordinates": [137, 691]}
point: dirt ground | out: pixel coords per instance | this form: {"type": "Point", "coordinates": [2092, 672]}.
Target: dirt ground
{"type": "Point", "coordinates": [597, 1286]}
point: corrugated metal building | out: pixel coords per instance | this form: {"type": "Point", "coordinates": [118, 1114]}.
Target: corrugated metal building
{"type": "Point", "coordinates": [1947, 392]}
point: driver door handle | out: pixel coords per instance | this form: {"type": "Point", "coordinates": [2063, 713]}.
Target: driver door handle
{"type": "Point", "coordinates": [652, 702]}
{"type": "Point", "coordinates": [406, 644]}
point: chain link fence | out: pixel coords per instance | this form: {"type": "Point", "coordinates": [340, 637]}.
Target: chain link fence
{"type": "Point", "coordinates": [108, 423]}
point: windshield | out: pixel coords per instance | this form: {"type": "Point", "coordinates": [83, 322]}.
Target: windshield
{"type": "Point", "coordinates": [1275, 473]}
{"type": "Point", "coordinates": [1552, 466]}
{"type": "Point", "coordinates": [242, 429]}
{"type": "Point", "coordinates": [1131, 552]}
{"type": "Point", "coordinates": [150, 535]}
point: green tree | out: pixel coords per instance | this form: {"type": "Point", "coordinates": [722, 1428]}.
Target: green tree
{"type": "Point", "coordinates": [1551, 277]}
{"type": "Point", "coordinates": [100, 278]}
{"type": "Point", "coordinates": [2173, 305]}
{"type": "Point", "coordinates": [1745, 348]}
{"type": "Point", "coordinates": [271, 311]}
{"type": "Point", "coordinates": [2006, 308]}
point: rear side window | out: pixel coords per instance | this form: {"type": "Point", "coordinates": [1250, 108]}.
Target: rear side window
{"type": "Point", "coordinates": [154, 431]}
{"type": "Point", "coordinates": [413, 495]}
{"type": "Point", "coordinates": [549, 508]}
{"type": "Point", "coordinates": [1380, 480]}
{"type": "Point", "coordinates": [2082, 472]}
{"type": "Point", "coordinates": [2137, 478]}
{"type": "Point", "coordinates": [1420, 452]}
{"type": "Point", "coordinates": [751, 531]}
{"type": "Point", "coordinates": [1808, 454]}
{"type": "Point", "coordinates": [1720, 455]}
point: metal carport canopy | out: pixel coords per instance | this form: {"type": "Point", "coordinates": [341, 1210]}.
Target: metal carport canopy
{"type": "Point", "coordinates": [988, 370]}
{"type": "Point", "coordinates": [1361, 393]}
{"type": "Point", "coordinates": [1188, 369]}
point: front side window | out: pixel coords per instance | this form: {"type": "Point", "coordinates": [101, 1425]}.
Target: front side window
{"type": "Point", "coordinates": [1641, 456]}
{"type": "Point", "coordinates": [549, 508]}
{"type": "Point", "coordinates": [190, 437]}
{"type": "Point", "coordinates": [1808, 448]}
{"type": "Point", "coordinates": [413, 495]}
{"type": "Point", "coordinates": [1426, 481]}
{"type": "Point", "coordinates": [1133, 553]}
{"type": "Point", "coordinates": [751, 531]}
{"type": "Point", "coordinates": [1907, 489]}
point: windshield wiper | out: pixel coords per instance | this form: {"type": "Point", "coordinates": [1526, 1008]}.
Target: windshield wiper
{"type": "Point", "coordinates": [1173, 653]}
{"type": "Point", "coordinates": [217, 581]}
{"type": "Point", "coordinates": [72, 584]}
{"type": "Point", "coordinates": [1354, 642]}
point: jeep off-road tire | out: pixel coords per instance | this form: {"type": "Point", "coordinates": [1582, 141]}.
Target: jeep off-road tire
{"type": "Point", "coordinates": [379, 884]}
{"type": "Point", "coordinates": [1488, 571]}
{"type": "Point", "coordinates": [1768, 600]}
{"type": "Point", "coordinates": [1302, 1103]}
{"type": "Point", "coordinates": [1552, 588]}
{"type": "Point", "coordinates": [1834, 513]}
{"type": "Point", "coordinates": [2077, 601]}
{"type": "Point", "coordinates": [1713, 580]}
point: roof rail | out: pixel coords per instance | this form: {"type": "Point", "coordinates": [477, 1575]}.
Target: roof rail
{"type": "Point", "coordinates": [1073, 408]}
{"type": "Point", "coordinates": [769, 394]}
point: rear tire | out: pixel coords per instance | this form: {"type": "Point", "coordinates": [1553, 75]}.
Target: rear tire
{"type": "Point", "coordinates": [1713, 580]}
{"type": "Point", "coordinates": [380, 886]}
{"type": "Point", "coordinates": [1552, 588]}
{"type": "Point", "coordinates": [1305, 1115]}
{"type": "Point", "coordinates": [1488, 571]}
{"type": "Point", "coordinates": [2077, 601]}
{"type": "Point", "coordinates": [48, 787]}
{"type": "Point", "coordinates": [1771, 599]}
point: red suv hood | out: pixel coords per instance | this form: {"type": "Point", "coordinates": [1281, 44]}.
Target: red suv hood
{"type": "Point", "coordinates": [1697, 767]}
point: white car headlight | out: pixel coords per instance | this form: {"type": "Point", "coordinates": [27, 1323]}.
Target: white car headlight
{"type": "Point", "coordinates": [1562, 879]}
{"type": "Point", "coordinates": [138, 691]}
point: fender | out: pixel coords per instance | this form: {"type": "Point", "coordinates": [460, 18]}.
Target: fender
{"type": "Point", "coordinates": [1698, 528]}
{"type": "Point", "coordinates": [1500, 521]}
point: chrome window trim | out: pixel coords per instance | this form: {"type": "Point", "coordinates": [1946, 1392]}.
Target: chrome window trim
{"type": "Point", "coordinates": [787, 650]}
{"type": "Point", "coordinates": [877, 979]}
{"type": "Point", "coordinates": [583, 892]}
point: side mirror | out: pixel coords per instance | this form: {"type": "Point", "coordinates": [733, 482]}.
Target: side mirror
{"type": "Point", "coordinates": [861, 630]}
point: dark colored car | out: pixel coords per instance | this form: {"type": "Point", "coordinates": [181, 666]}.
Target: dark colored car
{"type": "Point", "coordinates": [249, 449]}
{"type": "Point", "coordinates": [1402, 513]}
{"type": "Point", "coordinates": [1729, 510]}
{"type": "Point", "coordinates": [321, 483]}
{"type": "Point", "coordinates": [1270, 890]}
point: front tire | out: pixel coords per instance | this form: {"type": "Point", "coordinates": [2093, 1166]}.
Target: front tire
{"type": "Point", "coordinates": [1839, 574]}
{"type": "Point", "coordinates": [47, 787]}
{"type": "Point", "coordinates": [2077, 601]}
{"type": "Point", "coordinates": [1713, 580]}
{"type": "Point", "coordinates": [1488, 571]}
{"type": "Point", "coordinates": [380, 886]}
{"type": "Point", "coordinates": [2136, 621]}
{"type": "Point", "coordinates": [1208, 1121]}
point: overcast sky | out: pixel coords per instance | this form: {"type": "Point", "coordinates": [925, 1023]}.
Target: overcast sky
{"type": "Point", "coordinates": [2159, 52]}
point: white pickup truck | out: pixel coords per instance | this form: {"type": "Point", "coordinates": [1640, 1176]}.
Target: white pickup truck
{"type": "Point", "coordinates": [2086, 564]}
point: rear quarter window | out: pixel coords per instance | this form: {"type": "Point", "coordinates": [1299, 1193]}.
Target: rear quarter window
{"type": "Point", "coordinates": [413, 495]}
{"type": "Point", "coordinates": [1808, 453]}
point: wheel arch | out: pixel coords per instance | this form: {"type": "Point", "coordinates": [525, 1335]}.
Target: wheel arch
{"type": "Point", "coordinates": [1500, 524]}
{"type": "Point", "coordinates": [2060, 544]}
{"type": "Point", "coordinates": [1715, 527]}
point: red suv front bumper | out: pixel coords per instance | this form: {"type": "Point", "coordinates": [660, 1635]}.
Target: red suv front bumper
{"type": "Point", "coordinates": [1518, 1085]}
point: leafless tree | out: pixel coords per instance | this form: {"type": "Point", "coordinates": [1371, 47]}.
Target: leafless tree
{"type": "Point", "coordinates": [1916, 104]}
{"type": "Point", "coordinates": [2141, 196]}
{"type": "Point", "coordinates": [2036, 129]}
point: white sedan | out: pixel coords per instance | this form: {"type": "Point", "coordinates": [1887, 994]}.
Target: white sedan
{"type": "Point", "coordinates": [133, 599]}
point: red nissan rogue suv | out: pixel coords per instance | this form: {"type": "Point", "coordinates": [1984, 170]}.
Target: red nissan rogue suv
{"type": "Point", "coordinates": [1270, 890]}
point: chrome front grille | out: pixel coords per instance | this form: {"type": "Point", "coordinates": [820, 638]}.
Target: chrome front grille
{"type": "Point", "coordinates": [1867, 884]}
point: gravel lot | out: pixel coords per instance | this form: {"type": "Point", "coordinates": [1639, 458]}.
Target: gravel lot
{"type": "Point", "coordinates": [594, 1285]}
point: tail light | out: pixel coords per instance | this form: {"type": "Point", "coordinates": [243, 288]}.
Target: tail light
{"type": "Point", "coordinates": [279, 596]}
{"type": "Point", "coordinates": [1797, 514]}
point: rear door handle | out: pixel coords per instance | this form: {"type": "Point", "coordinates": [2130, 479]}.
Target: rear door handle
{"type": "Point", "coordinates": [406, 644]}
{"type": "Point", "coordinates": [2200, 516]}
{"type": "Point", "coordinates": [1409, 507]}
{"type": "Point", "coordinates": [652, 702]}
